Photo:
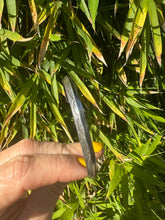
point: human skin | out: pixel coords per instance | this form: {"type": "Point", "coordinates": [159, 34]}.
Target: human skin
{"type": "Point", "coordinates": [43, 167]}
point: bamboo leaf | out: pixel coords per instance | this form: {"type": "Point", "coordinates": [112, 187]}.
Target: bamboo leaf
{"type": "Point", "coordinates": [84, 8]}
{"type": "Point", "coordinates": [144, 51]}
{"type": "Point", "coordinates": [93, 6]}
{"type": "Point", "coordinates": [161, 16]}
{"type": "Point", "coordinates": [57, 214]}
{"type": "Point", "coordinates": [138, 191]}
{"type": "Point", "coordinates": [33, 109]}
{"type": "Point", "coordinates": [131, 124]}
{"type": "Point", "coordinates": [124, 190]}
{"type": "Point", "coordinates": [46, 76]}
{"type": "Point", "coordinates": [116, 178]}
{"type": "Point", "coordinates": [127, 27]}
{"type": "Point", "coordinates": [53, 133]}
{"type": "Point", "coordinates": [54, 109]}
{"type": "Point", "coordinates": [77, 22]}
{"type": "Point", "coordinates": [137, 27]}
{"type": "Point", "coordinates": [20, 98]}
{"type": "Point", "coordinates": [154, 116]}
{"type": "Point", "coordinates": [83, 88]}
{"type": "Point", "coordinates": [54, 88]}
{"type": "Point", "coordinates": [86, 39]}
{"type": "Point", "coordinates": [155, 27]}
{"type": "Point", "coordinates": [1, 11]}
{"type": "Point", "coordinates": [78, 193]}
{"type": "Point", "coordinates": [16, 126]}
{"type": "Point", "coordinates": [112, 106]}
{"type": "Point", "coordinates": [144, 175]}
{"type": "Point", "coordinates": [3, 134]}
{"type": "Point", "coordinates": [105, 24]}
{"type": "Point", "coordinates": [134, 102]}
{"type": "Point", "coordinates": [121, 73]}
{"type": "Point", "coordinates": [48, 31]}
{"type": "Point", "coordinates": [5, 85]}
{"type": "Point", "coordinates": [45, 12]}
{"type": "Point", "coordinates": [106, 141]}
{"type": "Point", "coordinates": [12, 13]}
{"type": "Point", "coordinates": [144, 127]}
{"type": "Point", "coordinates": [34, 15]}
{"type": "Point", "coordinates": [14, 36]}
{"type": "Point", "coordinates": [116, 7]}
{"type": "Point", "coordinates": [61, 59]}
{"type": "Point", "coordinates": [150, 148]}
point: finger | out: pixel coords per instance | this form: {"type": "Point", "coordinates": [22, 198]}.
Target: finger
{"type": "Point", "coordinates": [31, 147]}
{"type": "Point", "coordinates": [40, 204]}
{"type": "Point", "coordinates": [34, 171]}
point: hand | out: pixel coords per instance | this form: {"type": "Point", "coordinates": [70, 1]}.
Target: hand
{"type": "Point", "coordinates": [43, 167]}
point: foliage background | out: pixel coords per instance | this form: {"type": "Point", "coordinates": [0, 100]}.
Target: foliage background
{"type": "Point", "coordinates": [113, 52]}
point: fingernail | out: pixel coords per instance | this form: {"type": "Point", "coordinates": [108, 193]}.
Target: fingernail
{"type": "Point", "coordinates": [97, 146]}
{"type": "Point", "coordinates": [82, 161]}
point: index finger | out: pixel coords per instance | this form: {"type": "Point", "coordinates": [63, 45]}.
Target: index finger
{"type": "Point", "coordinates": [31, 147]}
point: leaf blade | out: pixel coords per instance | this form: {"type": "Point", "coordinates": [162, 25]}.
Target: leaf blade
{"type": "Point", "coordinates": [156, 33]}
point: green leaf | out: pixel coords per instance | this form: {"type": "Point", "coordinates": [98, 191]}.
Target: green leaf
{"type": "Point", "coordinates": [144, 175]}
{"type": "Point", "coordinates": [106, 141]}
{"type": "Point", "coordinates": [33, 109]}
{"type": "Point", "coordinates": [118, 172]}
{"type": "Point", "coordinates": [54, 88]}
{"type": "Point", "coordinates": [124, 190]}
{"type": "Point", "coordinates": [45, 12]}
{"type": "Point", "coordinates": [20, 98]}
{"type": "Point", "coordinates": [57, 214]}
{"type": "Point", "coordinates": [1, 11]}
{"type": "Point", "coordinates": [131, 124]}
{"type": "Point", "coordinates": [134, 102]}
{"type": "Point", "coordinates": [83, 88]}
{"type": "Point", "coordinates": [143, 127]}
{"type": "Point", "coordinates": [34, 15]}
{"type": "Point", "coordinates": [127, 27]}
{"type": "Point", "coordinates": [93, 6]}
{"type": "Point", "coordinates": [137, 27]}
{"type": "Point", "coordinates": [144, 51]}
{"type": "Point", "coordinates": [121, 73]}
{"type": "Point", "coordinates": [13, 36]}
{"type": "Point", "coordinates": [150, 149]}
{"type": "Point", "coordinates": [79, 196]}
{"type": "Point", "coordinates": [107, 26]}
{"type": "Point", "coordinates": [76, 21]}
{"type": "Point", "coordinates": [153, 115]}
{"type": "Point", "coordinates": [86, 39]}
{"type": "Point", "coordinates": [5, 85]}
{"type": "Point", "coordinates": [48, 31]}
{"type": "Point", "coordinates": [145, 150]}
{"type": "Point", "coordinates": [138, 192]}
{"type": "Point", "coordinates": [112, 106]}
{"type": "Point", "coordinates": [84, 8]}
{"type": "Point", "coordinates": [11, 8]}
{"type": "Point", "coordinates": [54, 109]}
{"type": "Point", "coordinates": [61, 59]}
{"type": "Point", "coordinates": [155, 27]}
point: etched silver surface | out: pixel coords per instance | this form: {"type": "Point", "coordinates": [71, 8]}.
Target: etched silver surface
{"type": "Point", "coordinates": [81, 125]}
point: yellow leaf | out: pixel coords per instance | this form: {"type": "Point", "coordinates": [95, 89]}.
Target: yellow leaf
{"type": "Point", "coordinates": [48, 31]}
{"type": "Point", "coordinates": [138, 24]}
{"type": "Point", "coordinates": [121, 73]}
{"type": "Point", "coordinates": [34, 15]}
{"type": "Point", "coordinates": [127, 27]}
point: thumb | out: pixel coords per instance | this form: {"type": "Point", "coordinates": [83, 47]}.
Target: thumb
{"type": "Point", "coordinates": [34, 171]}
